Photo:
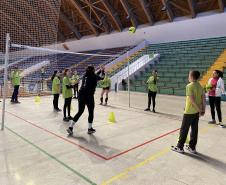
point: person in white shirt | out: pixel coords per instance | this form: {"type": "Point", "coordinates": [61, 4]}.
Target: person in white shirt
{"type": "Point", "coordinates": [216, 90]}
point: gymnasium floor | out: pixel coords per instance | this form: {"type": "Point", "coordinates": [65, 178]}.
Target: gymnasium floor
{"type": "Point", "coordinates": [35, 149]}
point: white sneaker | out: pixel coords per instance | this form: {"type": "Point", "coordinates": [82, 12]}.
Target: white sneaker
{"type": "Point", "coordinates": [191, 150]}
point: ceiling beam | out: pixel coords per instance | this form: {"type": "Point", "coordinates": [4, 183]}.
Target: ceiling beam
{"type": "Point", "coordinates": [180, 7]}
{"type": "Point", "coordinates": [147, 11]}
{"type": "Point", "coordinates": [191, 4]}
{"type": "Point", "coordinates": [221, 5]}
{"type": "Point", "coordinates": [168, 10]}
{"type": "Point", "coordinates": [85, 16]}
{"type": "Point", "coordinates": [129, 12]}
{"type": "Point", "coordinates": [113, 14]}
{"type": "Point", "coordinates": [70, 25]}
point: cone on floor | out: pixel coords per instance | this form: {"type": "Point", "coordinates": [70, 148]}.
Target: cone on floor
{"type": "Point", "coordinates": [111, 117]}
{"type": "Point", "coordinates": [37, 99]}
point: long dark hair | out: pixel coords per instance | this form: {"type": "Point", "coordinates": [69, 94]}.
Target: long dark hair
{"type": "Point", "coordinates": [219, 73]}
{"type": "Point", "coordinates": [65, 72]}
{"type": "Point", "coordinates": [90, 70]}
{"type": "Point", "coordinates": [54, 75]}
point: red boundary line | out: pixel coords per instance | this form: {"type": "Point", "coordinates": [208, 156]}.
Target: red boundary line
{"type": "Point", "coordinates": [90, 151]}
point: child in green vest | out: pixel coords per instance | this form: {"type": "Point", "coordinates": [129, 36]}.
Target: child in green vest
{"type": "Point", "coordinates": [56, 90]}
{"type": "Point", "coordinates": [67, 94]}
{"type": "Point", "coordinates": [152, 89]}
{"type": "Point", "coordinates": [15, 80]}
{"type": "Point", "coordinates": [194, 108]}
{"type": "Point", "coordinates": [106, 85]}
{"type": "Point", "coordinates": [75, 83]}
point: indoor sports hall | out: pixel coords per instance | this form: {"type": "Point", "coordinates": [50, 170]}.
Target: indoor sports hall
{"type": "Point", "coordinates": [112, 92]}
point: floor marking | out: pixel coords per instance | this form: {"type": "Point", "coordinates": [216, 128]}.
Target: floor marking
{"type": "Point", "coordinates": [151, 158]}
{"type": "Point", "coordinates": [127, 170]}
{"type": "Point", "coordinates": [52, 157]}
{"type": "Point", "coordinates": [147, 142]}
{"type": "Point", "coordinates": [58, 136]}
{"type": "Point", "coordinates": [90, 151]}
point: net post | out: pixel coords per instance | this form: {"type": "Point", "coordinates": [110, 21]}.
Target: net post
{"type": "Point", "coordinates": [128, 63]}
{"type": "Point", "coordinates": [5, 79]}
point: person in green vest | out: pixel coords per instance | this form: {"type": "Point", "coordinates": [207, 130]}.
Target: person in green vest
{"type": "Point", "coordinates": [67, 94]}
{"type": "Point", "coordinates": [56, 90]}
{"type": "Point", "coordinates": [15, 80]}
{"type": "Point", "coordinates": [152, 89]}
{"type": "Point", "coordinates": [106, 85]}
{"type": "Point", "coordinates": [75, 83]}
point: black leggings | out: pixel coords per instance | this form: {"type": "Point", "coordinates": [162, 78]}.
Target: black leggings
{"type": "Point", "coordinates": [67, 106]}
{"type": "Point", "coordinates": [75, 87]}
{"type": "Point", "coordinates": [87, 100]}
{"type": "Point", "coordinates": [215, 102]}
{"type": "Point", "coordinates": [55, 101]}
{"type": "Point", "coordinates": [151, 96]}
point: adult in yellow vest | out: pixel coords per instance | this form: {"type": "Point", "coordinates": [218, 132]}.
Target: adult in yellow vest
{"type": "Point", "coordinates": [56, 90]}
{"type": "Point", "coordinates": [75, 83]}
{"type": "Point", "coordinates": [15, 80]}
{"type": "Point", "coordinates": [106, 85]}
{"type": "Point", "coordinates": [152, 89]}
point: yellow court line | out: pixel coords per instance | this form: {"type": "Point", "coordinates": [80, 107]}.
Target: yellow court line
{"type": "Point", "coordinates": [146, 161]}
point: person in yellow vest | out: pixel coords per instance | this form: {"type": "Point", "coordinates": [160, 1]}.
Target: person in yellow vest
{"type": "Point", "coordinates": [106, 85]}
{"type": "Point", "coordinates": [75, 83]}
{"type": "Point", "coordinates": [15, 80]}
{"type": "Point", "coordinates": [195, 107]}
{"type": "Point", "coordinates": [56, 90]}
{"type": "Point", "coordinates": [152, 89]}
{"type": "Point", "coordinates": [67, 94]}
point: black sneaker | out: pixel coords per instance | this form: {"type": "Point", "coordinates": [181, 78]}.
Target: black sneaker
{"type": "Point", "coordinates": [17, 102]}
{"type": "Point", "coordinates": [101, 103]}
{"type": "Point", "coordinates": [66, 119]}
{"type": "Point", "coordinates": [70, 118]}
{"type": "Point", "coordinates": [58, 110]}
{"type": "Point", "coordinates": [91, 130]}
{"type": "Point", "coordinates": [147, 109]}
{"type": "Point", "coordinates": [153, 110]}
{"type": "Point", "coordinates": [177, 149]}
{"type": "Point", "coordinates": [212, 122]}
{"type": "Point", "coordinates": [70, 130]}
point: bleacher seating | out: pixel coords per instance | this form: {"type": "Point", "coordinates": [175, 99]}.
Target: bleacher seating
{"type": "Point", "coordinates": [176, 60]}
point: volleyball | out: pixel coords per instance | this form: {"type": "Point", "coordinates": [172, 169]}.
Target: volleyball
{"type": "Point", "coordinates": [132, 29]}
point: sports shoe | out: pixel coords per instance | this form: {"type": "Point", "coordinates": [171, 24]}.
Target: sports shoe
{"type": "Point", "coordinates": [153, 110]}
{"type": "Point", "coordinates": [70, 118]}
{"type": "Point", "coordinates": [91, 130]}
{"type": "Point", "coordinates": [58, 110]}
{"type": "Point", "coordinates": [193, 151]}
{"type": "Point", "coordinates": [177, 149]}
{"type": "Point", "coordinates": [16, 102]}
{"type": "Point", "coordinates": [212, 122]}
{"type": "Point", "coordinates": [147, 109]}
{"type": "Point", "coordinates": [66, 119]}
{"type": "Point", "coordinates": [70, 130]}
{"type": "Point", "coordinates": [222, 125]}
{"type": "Point", "coordinates": [106, 104]}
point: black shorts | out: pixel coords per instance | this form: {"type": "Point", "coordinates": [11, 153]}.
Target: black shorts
{"type": "Point", "coordinates": [106, 88]}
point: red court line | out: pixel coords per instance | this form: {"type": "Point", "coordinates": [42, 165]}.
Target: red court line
{"type": "Point", "coordinates": [90, 151]}
{"type": "Point", "coordinates": [140, 145]}
{"type": "Point", "coordinates": [67, 140]}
